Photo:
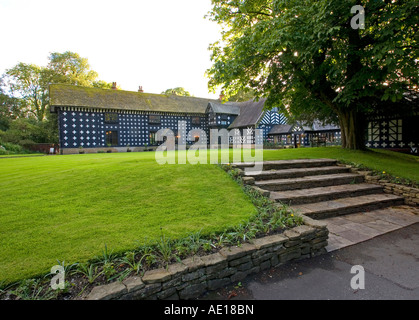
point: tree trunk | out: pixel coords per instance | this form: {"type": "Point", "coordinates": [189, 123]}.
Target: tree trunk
{"type": "Point", "coordinates": [352, 125]}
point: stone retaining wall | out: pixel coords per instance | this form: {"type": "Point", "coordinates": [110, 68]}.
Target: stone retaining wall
{"type": "Point", "coordinates": [194, 276]}
{"type": "Point", "coordinates": [411, 195]}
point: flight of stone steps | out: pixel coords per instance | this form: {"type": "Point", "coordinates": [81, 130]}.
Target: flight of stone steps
{"type": "Point", "coordinates": [319, 188]}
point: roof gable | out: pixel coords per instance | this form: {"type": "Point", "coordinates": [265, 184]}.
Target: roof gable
{"type": "Point", "coordinates": [250, 114]}
{"type": "Point", "coordinates": [226, 108]}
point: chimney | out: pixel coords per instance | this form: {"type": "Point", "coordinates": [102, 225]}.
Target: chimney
{"type": "Point", "coordinates": [114, 86]}
{"type": "Point", "coordinates": [221, 96]}
{"type": "Point", "coordinates": [140, 89]}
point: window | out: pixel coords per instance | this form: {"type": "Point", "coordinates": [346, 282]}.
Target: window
{"type": "Point", "coordinates": [196, 120]}
{"type": "Point", "coordinates": [212, 117]}
{"type": "Point", "coordinates": [112, 138]}
{"type": "Point", "coordinates": [153, 141]}
{"type": "Point", "coordinates": [154, 119]}
{"type": "Point", "coordinates": [111, 118]}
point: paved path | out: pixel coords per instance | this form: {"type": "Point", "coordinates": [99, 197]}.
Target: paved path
{"type": "Point", "coordinates": [386, 244]}
{"type": "Point", "coordinates": [354, 228]}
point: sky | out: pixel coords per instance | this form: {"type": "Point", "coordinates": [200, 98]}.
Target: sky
{"type": "Point", "coordinates": [156, 44]}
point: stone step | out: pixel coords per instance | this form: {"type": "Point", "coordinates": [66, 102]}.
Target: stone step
{"type": "Point", "coordinates": [304, 196]}
{"type": "Point", "coordinates": [296, 173]}
{"type": "Point", "coordinates": [310, 182]}
{"type": "Point", "coordinates": [333, 208]}
{"type": "Point", "coordinates": [289, 164]}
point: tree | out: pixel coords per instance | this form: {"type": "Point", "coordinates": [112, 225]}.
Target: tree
{"type": "Point", "coordinates": [70, 68]}
{"type": "Point", "coordinates": [179, 91]}
{"type": "Point", "coordinates": [242, 96]}
{"type": "Point", "coordinates": [103, 85]}
{"type": "Point", "coordinates": [10, 109]}
{"type": "Point", "coordinates": [30, 82]}
{"type": "Point", "coordinates": [306, 58]}
{"type": "Point", "coordinates": [24, 93]}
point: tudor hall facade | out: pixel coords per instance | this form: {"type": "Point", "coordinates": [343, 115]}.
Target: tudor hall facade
{"type": "Point", "coordinates": [96, 120]}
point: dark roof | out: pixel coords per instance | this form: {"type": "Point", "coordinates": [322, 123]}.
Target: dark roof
{"type": "Point", "coordinates": [77, 96]}
{"type": "Point", "coordinates": [288, 128]}
{"type": "Point", "coordinates": [281, 129]}
{"type": "Point", "coordinates": [250, 114]}
{"type": "Point", "coordinates": [318, 126]}
{"type": "Point", "coordinates": [226, 108]}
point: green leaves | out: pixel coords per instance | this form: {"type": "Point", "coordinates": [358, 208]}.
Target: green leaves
{"type": "Point", "coordinates": [30, 82]}
{"type": "Point", "coordinates": [179, 91]}
{"type": "Point", "coordinates": [305, 55]}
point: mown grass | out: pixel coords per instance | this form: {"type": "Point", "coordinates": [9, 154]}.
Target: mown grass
{"type": "Point", "coordinates": [19, 155]}
{"type": "Point", "coordinates": [396, 164]}
{"type": "Point", "coordinates": [68, 208]}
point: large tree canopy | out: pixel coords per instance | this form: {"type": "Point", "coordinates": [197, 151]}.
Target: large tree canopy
{"type": "Point", "coordinates": [30, 83]}
{"type": "Point", "coordinates": [305, 58]}
{"type": "Point", "coordinates": [24, 96]}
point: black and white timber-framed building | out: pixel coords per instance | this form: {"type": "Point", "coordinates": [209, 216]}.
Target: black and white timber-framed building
{"type": "Point", "coordinates": [101, 119]}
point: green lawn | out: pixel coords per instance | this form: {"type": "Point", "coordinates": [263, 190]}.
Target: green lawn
{"type": "Point", "coordinates": [19, 155]}
{"type": "Point", "coordinates": [397, 164]}
{"type": "Point", "coordinates": [68, 207]}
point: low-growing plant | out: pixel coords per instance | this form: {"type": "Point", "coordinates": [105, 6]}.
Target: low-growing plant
{"type": "Point", "coordinates": [121, 276]}
{"type": "Point", "coordinates": [68, 268]}
{"type": "Point", "coordinates": [89, 270]}
{"type": "Point", "coordinates": [148, 254]}
{"type": "Point", "coordinates": [109, 270]}
{"type": "Point", "coordinates": [243, 233]}
{"type": "Point", "coordinates": [194, 242]}
{"type": "Point", "coordinates": [182, 248]}
{"type": "Point", "coordinates": [33, 289]}
{"type": "Point", "coordinates": [222, 240]}
{"type": "Point", "coordinates": [165, 249]}
{"type": "Point", "coordinates": [208, 246]}
{"type": "Point", "coordinates": [235, 174]}
{"type": "Point", "coordinates": [130, 259]}
{"type": "Point", "coordinates": [107, 256]}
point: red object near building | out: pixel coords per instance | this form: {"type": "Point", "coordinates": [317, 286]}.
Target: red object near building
{"type": "Point", "coordinates": [47, 148]}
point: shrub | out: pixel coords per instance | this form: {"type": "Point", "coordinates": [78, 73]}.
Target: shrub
{"type": "Point", "coordinates": [26, 143]}
{"type": "Point", "coordinates": [15, 148]}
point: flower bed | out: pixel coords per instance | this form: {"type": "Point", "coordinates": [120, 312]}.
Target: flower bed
{"type": "Point", "coordinates": [194, 276]}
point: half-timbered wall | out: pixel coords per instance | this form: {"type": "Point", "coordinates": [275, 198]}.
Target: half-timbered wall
{"type": "Point", "coordinates": [397, 133]}
{"type": "Point", "coordinates": [89, 128]}
{"type": "Point", "coordinates": [270, 119]}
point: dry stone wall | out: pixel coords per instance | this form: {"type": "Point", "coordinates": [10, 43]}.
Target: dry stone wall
{"type": "Point", "coordinates": [194, 276]}
{"type": "Point", "coordinates": [411, 195]}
